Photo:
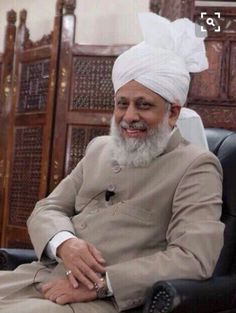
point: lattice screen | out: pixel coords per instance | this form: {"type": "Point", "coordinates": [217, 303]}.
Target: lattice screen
{"type": "Point", "coordinates": [79, 139]}
{"type": "Point", "coordinates": [25, 174]}
{"type": "Point", "coordinates": [92, 86]}
{"type": "Point", "coordinates": [34, 86]}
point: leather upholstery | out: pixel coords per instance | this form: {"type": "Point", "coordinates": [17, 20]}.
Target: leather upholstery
{"type": "Point", "coordinates": [223, 143]}
{"type": "Point", "coordinates": [11, 258]}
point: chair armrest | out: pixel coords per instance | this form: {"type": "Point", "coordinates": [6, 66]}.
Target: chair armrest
{"type": "Point", "coordinates": [11, 258]}
{"type": "Point", "coordinates": [217, 294]}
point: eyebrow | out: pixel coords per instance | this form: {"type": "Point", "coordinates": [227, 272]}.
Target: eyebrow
{"type": "Point", "coordinates": [121, 98]}
{"type": "Point", "coordinates": [138, 99]}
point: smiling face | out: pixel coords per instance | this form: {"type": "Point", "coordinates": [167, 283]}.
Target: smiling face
{"type": "Point", "coordinates": [139, 110]}
{"type": "Point", "coordinates": [141, 125]}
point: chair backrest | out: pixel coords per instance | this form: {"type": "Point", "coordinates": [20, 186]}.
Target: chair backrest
{"type": "Point", "coordinates": [222, 143]}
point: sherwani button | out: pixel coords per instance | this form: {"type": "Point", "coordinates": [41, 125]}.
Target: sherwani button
{"type": "Point", "coordinates": [111, 187]}
{"type": "Point", "coordinates": [116, 167]}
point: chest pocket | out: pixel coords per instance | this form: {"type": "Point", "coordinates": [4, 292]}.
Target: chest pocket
{"type": "Point", "coordinates": [135, 211]}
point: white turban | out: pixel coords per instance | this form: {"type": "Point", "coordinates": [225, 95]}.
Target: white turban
{"type": "Point", "coordinates": [162, 62]}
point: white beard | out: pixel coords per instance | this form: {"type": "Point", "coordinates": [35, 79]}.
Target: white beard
{"type": "Point", "coordinates": [139, 152]}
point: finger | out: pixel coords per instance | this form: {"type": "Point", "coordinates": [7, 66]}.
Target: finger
{"type": "Point", "coordinates": [91, 261]}
{"type": "Point", "coordinates": [73, 281]}
{"type": "Point", "coordinates": [97, 254]}
{"type": "Point", "coordinates": [62, 299]}
{"type": "Point", "coordinates": [50, 295]}
{"type": "Point", "coordinates": [83, 279]}
{"type": "Point", "coordinates": [90, 274]}
{"type": "Point", "coordinates": [53, 293]}
{"type": "Point", "coordinates": [46, 287]}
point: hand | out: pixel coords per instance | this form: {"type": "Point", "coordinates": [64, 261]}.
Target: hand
{"type": "Point", "coordinates": [84, 261]}
{"type": "Point", "coordinates": [61, 292]}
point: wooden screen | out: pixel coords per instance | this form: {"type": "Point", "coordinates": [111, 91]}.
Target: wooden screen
{"type": "Point", "coordinates": [29, 138]}
{"type": "Point", "coordinates": [2, 158]}
{"type": "Point", "coordinates": [6, 78]}
{"type": "Point", "coordinates": [85, 97]}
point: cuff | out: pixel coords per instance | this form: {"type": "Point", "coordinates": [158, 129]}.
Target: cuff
{"type": "Point", "coordinates": [54, 243]}
{"type": "Point", "coordinates": [110, 290]}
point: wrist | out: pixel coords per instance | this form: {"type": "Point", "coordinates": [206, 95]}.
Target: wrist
{"type": "Point", "coordinates": [60, 248]}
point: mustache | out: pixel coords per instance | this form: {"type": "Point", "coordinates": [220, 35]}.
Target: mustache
{"type": "Point", "coordinates": [134, 125]}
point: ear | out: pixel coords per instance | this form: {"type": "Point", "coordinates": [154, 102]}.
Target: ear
{"type": "Point", "coordinates": [174, 114]}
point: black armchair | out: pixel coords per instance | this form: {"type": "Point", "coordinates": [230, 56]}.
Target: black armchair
{"type": "Point", "coordinates": [215, 295]}
{"type": "Point", "coordinates": [218, 294]}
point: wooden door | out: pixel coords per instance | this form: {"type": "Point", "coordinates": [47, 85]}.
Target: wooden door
{"type": "Point", "coordinates": [30, 135]}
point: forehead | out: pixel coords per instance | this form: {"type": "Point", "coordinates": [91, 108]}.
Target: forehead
{"type": "Point", "coordinates": [133, 90]}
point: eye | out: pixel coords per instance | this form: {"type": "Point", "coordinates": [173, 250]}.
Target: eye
{"type": "Point", "coordinates": [121, 104]}
{"type": "Point", "coordinates": [144, 105]}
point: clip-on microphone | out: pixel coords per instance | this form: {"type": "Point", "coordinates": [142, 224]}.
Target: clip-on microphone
{"type": "Point", "coordinates": [109, 194]}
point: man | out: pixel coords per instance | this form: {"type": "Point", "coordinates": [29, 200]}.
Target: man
{"type": "Point", "coordinates": [142, 205]}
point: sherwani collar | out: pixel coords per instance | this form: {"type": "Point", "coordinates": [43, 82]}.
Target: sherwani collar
{"type": "Point", "coordinates": [174, 141]}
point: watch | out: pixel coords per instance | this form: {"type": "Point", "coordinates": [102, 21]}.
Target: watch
{"type": "Point", "coordinates": [102, 292]}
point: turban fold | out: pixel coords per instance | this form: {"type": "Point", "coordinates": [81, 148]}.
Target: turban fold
{"type": "Point", "coordinates": [163, 61]}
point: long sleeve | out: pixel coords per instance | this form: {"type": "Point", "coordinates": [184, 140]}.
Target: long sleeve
{"type": "Point", "coordinates": [53, 214]}
{"type": "Point", "coordinates": [194, 238]}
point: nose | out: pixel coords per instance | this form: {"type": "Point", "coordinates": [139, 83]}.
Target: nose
{"type": "Point", "coordinates": [131, 114]}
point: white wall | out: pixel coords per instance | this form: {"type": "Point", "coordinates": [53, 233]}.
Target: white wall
{"type": "Point", "coordinates": [39, 19]}
{"type": "Point", "coordinates": [98, 21]}
{"type": "Point", "coordinates": [109, 21]}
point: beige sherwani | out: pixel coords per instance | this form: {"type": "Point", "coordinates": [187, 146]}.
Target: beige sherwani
{"type": "Point", "coordinates": [162, 222]}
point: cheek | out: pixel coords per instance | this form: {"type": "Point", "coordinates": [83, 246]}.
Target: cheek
{"type": "Point", "coordinates": [117, 116]}
{"type": "Point", "coordinates": [152, 121]}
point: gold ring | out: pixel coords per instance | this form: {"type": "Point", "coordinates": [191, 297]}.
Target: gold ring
{"type": "Point", "coordinates": [68, 272]}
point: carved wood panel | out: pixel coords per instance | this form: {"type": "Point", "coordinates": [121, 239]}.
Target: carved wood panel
{"type": "Point", "coordinates": [77, 141]}
{"type": "Point", "coordinates": [173, 9]}
{"type": "Point", "coordinates": [207, 83]}
{"type": "Point", "coordinates": [91, 83]}
{"type": "Point", "coordinates": [34, 86]}
{"type": "Point", "coordinates": [217, 116]}
{"type": "Point", "coordinates": [32, 106]}
{"type": "Point", "coordinates": [1, 89]}
{"type": "Point", "coordinates": [232, 71]}
{"type": "Point", "coordinates": [26, 173]}
{"type": "Point", "coordinates": [6, 70]}
{"type": "Point", "coordinates": [2, 158]}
